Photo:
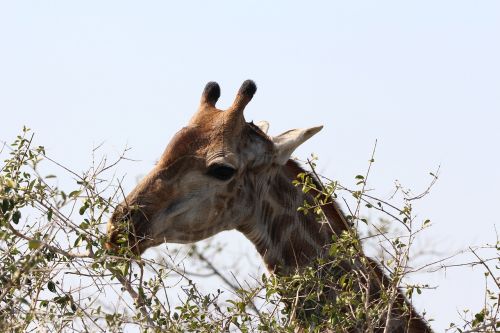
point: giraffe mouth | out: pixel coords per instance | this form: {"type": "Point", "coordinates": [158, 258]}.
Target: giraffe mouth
{"type": "Point", "coordinates": [123, 240]}
{"type": "Point", "coordinates": [128, 231]}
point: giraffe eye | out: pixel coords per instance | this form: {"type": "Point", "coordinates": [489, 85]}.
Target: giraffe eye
{"type": "Point", "coordinates": [221, 171]}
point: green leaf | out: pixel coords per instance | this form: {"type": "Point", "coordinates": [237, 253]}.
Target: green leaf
{"type": "Point", "coordinates": [75, 194]}
{"type": "Point", "coordinates": [5, 205]}
{"type": "Point", "coordinates": [10, 183]}
{"type": "Point", "coordinates": [52, 286]}
{"type": "Point", "coordinates": [478, 318]}
{"type": "Point", "coordinates": [85, 224]}
{"type": "Point", "coordinates": [34, 244]}
{"type": "Point", "coordinates": [78, 241]}
{"type": "Point", "coordinates": [83, 209]}
{"type": "Point", "coordinates": [16, 217]}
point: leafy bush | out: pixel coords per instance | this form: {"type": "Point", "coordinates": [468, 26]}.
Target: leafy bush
{"type": "Point", "coordinates": [57, 275]}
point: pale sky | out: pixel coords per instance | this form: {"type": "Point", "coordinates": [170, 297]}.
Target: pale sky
{"type": "Point", "coordinates": [423, 78]}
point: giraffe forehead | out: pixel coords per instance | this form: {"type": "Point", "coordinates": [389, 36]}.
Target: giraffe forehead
{"type": "Point", "coordinates": [210, 136]}
{"type": "Point", "coordinates": [189, 141]}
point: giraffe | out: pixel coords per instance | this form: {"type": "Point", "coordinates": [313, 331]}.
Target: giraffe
{"type": "Point", "coordinates": [221, 173]}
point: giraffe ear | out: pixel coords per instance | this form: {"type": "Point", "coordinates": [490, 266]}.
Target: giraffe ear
{"type": "Point", "coordinates": [287, 142]}
{"type": "Point", "coordinates": [263, 125]}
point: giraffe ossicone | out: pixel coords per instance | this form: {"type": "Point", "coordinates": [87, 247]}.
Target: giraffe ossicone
{"type": "Point", "coordinates": [222, 173]}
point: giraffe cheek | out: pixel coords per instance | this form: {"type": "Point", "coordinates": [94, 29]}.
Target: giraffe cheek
{"type": "Point", "coordinates": [230, 186]}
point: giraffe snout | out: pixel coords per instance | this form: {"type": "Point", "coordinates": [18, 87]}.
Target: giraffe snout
{"type": "Point", "coordinates": [123, 229]}
{"type": "Point", "coordinates": [115, 228]}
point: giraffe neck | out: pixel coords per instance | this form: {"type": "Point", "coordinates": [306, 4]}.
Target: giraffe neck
{"type": "Point", "coordinates": [286, 238]}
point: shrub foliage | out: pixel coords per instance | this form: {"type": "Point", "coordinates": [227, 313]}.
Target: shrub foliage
{"type": "Point", "coordinates": [57, 275]}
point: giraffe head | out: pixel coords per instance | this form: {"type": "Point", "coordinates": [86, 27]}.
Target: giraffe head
{"type": "Point", "coordinates": [210, 178]}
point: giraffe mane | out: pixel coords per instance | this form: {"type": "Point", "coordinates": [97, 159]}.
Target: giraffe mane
{"type": "Point", "coordinates": [332, 210]}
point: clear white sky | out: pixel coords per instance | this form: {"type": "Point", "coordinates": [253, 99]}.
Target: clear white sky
{"type": "Point", "coordinates": [422, 77]}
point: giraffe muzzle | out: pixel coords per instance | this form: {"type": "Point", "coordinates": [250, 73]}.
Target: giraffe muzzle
{"type": "Point", "coordinates": [123, 233]}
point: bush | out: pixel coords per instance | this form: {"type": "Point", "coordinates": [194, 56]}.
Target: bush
{"type": "Point", "coordinates": [57, 275]}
